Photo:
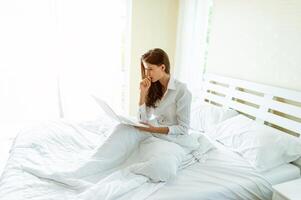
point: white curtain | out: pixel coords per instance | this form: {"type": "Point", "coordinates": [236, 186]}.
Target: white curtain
{"type": "Point", "coordinates": [191, 42]}
{"type": "Point", "coordinates": [55, 53]}
{"type": "Point", "coordinates": [93, 34]}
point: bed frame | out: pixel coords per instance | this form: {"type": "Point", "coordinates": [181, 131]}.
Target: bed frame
{"type": "Point", "coordinates": [273, 106]}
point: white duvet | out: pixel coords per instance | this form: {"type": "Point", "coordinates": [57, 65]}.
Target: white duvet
{"type": "Point", "coordinates": [63, 146]}
{"type": "Point", "coordinates": [41, 155]}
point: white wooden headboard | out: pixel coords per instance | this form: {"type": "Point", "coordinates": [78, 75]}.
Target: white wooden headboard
{"type": "Point", "coordinates": [273, 106]}
{"type": "Point", "coordinates": [277, 107]}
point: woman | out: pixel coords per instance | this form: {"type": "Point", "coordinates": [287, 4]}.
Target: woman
{"type": "Point", "coordinates": [164, 106]}
{"type": "Point", "coordinates": [168, 100]}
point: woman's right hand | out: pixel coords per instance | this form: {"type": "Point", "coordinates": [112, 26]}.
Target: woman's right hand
{"type": "Point", "coordinates": [144, 86]}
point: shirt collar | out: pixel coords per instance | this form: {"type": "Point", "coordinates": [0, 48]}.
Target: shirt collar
{"type": "Point", "coordinates": [171, 84]}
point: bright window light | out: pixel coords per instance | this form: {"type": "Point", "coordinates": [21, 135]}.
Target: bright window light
{"type": "Point", "coordinates": [55, 53]}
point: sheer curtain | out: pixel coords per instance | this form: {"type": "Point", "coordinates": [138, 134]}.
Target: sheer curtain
{"type": "Point", "coordinates": [191, 42]}
{"type": "Point", "coordinates": [92, 50]}
{"type": "Point", "coordinates": [55, 53]}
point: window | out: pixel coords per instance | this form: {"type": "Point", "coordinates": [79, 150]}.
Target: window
{"type": "Point", "coordinates": [55, 53]}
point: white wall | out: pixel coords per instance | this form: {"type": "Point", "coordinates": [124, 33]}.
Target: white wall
{"type": "Point", "coordinates": [258, 40]}
{"type": "Point", "coordinates": [154, 24]}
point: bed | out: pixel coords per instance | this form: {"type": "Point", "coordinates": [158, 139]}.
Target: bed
{"type": "Point", "coordinates": [220, 173]}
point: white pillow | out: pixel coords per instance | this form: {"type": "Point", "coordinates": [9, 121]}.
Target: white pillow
{"type": "Point", "coordinates": [229, 127]}
{"type": "Point", "coordinates": [262, 146]}
{"type": "Point", "coordinates": [205, 116]}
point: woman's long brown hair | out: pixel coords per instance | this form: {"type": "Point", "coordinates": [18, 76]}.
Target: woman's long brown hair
{"type": "Point", "coordinates": [155, 57]}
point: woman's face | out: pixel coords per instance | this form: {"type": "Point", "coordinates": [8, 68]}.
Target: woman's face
{"type": "Point", "coordinates": [155, 72]}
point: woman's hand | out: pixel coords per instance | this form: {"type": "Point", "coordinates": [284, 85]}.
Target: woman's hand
{"type": "Point", "coordinates": [150, 128]}
{"type": "Point", "coordinates": [145, 85]}
{"type": "Point", "coordinates": [153, 129]}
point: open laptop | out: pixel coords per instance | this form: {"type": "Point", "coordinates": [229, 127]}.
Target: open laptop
{"type": "Point", "coordinates": [110, 112]}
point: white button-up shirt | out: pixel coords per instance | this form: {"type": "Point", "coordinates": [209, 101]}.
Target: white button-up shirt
{"type": "Point", "coordinates": [172, 111]}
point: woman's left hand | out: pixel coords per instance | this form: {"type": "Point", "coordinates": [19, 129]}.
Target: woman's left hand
{"type": "Point", "coordinates": [150, 127]}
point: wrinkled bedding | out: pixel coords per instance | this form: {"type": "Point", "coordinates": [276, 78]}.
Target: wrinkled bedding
{"type": "Point", "coordinates": [62, 145]}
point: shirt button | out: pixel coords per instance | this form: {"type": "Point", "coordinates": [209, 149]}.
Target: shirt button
{"type": "Point", "coordinates": [162, 120]}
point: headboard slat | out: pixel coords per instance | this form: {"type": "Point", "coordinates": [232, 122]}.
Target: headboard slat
{"type": "Point", "coordinates": [278, 107]}
{"type": "Point", "coordinates": [215, 98]}
{"type": "Point", "coordinates": [247, 97]}
{"type": "Point", "coordinates": [283, 122]}
{"type": "Point", "coordinates": [214, 87]}
{"type": "Point", "coordinates": [275, 91]}
{"type": "Point", "coordinates": [286, 108]}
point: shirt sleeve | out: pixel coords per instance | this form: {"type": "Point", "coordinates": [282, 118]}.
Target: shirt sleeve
{"type": "Point", "coordinates": [143, 114]}
{"type": "Point", "coordinates": [183, 104]}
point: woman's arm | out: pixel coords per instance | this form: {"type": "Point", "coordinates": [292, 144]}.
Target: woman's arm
{"type": "Point", "coordinates": [144, 87]}
{"type": "Point", "coordinates": [183, 102]}
{"type": "Point", "coordinates": [142, 112]}
{"type": "Point", "coordinates": [153, 129]}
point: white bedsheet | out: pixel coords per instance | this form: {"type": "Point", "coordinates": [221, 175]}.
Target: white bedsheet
{"type": "Point", "coordinates": [224, 175]}
{"type": "Point", "coordinates": [70, 142]}
{"type": "Point", "coordinates": [282, 174]}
